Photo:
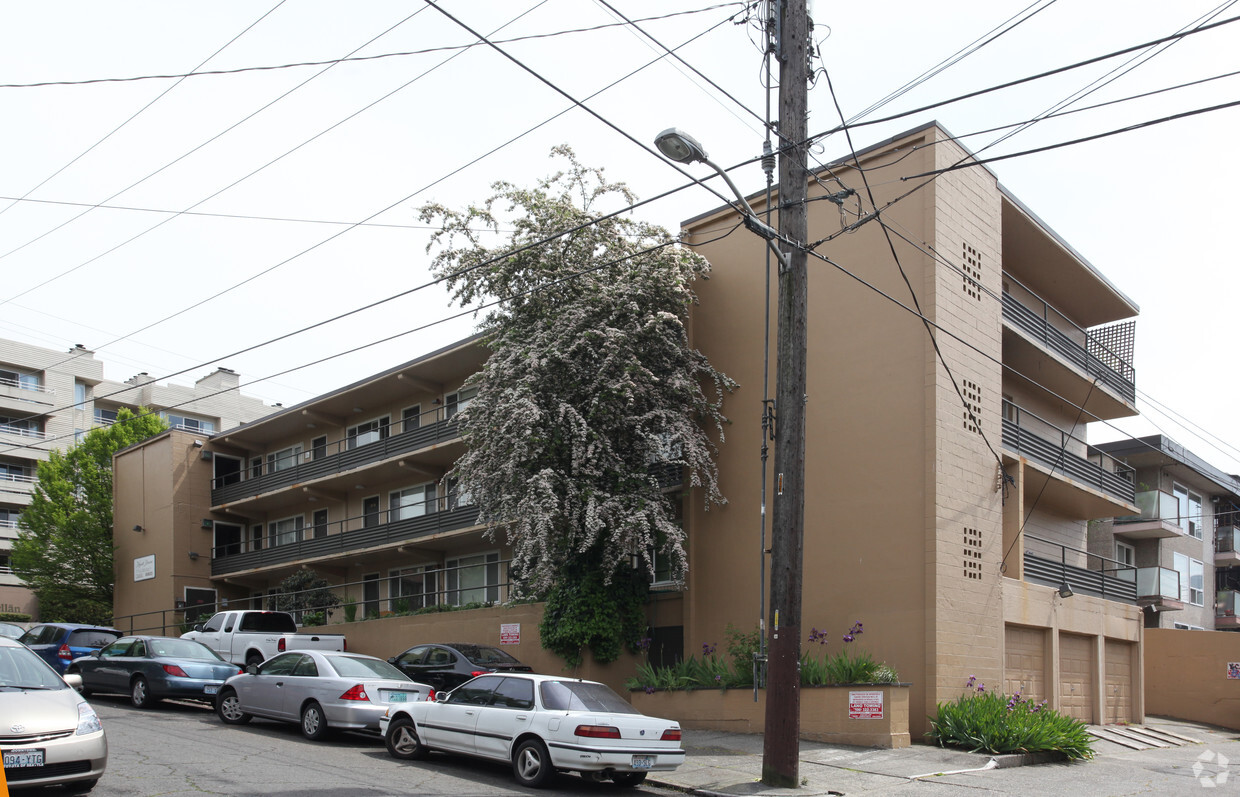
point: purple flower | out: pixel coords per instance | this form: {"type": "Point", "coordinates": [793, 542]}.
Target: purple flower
{"type": "Point", "coordinates": [644, 644]}
{"type": "Point", "coordinates": [650, 690]}
{"type": "Point", "coordinates": [981, 687]}
{"type": "Point", "coordinates": [972, 680]}
{"type": "Point", "coordinates": [818, 636]}
{"type": "Point", "coordinates": [848, 637]}
{"type": "Point", "coordinates": [707, 650]}
{"type": "Point", "coordinates": [718, 678]}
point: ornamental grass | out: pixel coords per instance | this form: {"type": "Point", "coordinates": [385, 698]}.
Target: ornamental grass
{"type": "Point", "coordinates": [991, 722]}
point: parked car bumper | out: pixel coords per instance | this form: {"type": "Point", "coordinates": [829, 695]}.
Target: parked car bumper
{"type": "Point", "coordinates": [356, 716]}
{"type": "Point", "coordinates": [581, 758]}
{"type": "Point", "coordinates": [187, 688]}
{"type": "Point", "coordinates": [67, 760]}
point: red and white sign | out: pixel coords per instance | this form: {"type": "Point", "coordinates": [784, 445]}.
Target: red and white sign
{"type": "Point", "coordinates": [510, 633]}
{"type": "Point", "coordinates": [865, 705]}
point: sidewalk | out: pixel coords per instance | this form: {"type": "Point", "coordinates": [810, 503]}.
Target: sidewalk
{"type": "Point", "coordinates": [720, 763]}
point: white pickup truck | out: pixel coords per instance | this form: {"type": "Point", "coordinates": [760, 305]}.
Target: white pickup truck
{"type": "Point", "coordinates": [252, 637]}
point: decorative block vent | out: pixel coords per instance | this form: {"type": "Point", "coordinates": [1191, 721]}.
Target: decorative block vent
{"type": "Point", "coordinates": [971, 265]}
{"type": "Point", "coordinates": [972, 553]}
{"type": "Point", "coordinates": [973, 405]}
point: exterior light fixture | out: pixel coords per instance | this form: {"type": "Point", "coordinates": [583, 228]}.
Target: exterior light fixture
{"type": "Point", "coordinates": [197, 444]}
{"type": "Point", "coordinates": [193, 555]}
{"type": "Point", "coordinates": [677, 145]}
{"type": "Point", "coordinates": [1065, 591]}
{"type": "Point", "coordinates": [138, 528]}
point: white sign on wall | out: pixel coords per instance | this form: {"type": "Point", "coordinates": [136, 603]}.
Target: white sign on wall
{"type": "Point", "coordinates": [144, 568]}
{"type": "Point", "coordinates": [510, 633]}
{"type": "Point", "coordinates": [865, 705]}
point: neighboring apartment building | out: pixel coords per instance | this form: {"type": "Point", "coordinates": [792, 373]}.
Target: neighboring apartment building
{"type": "Point", "coordinates": [948, 512]}
{"type": "Point", "coordinates": [48, 398]}
{"type": "Point", "coordinates": [1182, 543]}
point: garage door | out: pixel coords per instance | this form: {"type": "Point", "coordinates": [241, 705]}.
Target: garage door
{"type": "Point", "coordinates": [1024, 662]}
{"type": "Point", "coordinates": [1119, 680]}
{"type": "Point", "coordinates": [1076, 697]}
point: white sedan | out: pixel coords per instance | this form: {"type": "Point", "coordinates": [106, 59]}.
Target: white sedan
{"type": "Point", "coordinates": [540, 724]}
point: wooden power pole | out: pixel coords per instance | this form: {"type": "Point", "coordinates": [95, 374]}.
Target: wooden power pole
{"type": "Point", "coordinates": [781, 744]}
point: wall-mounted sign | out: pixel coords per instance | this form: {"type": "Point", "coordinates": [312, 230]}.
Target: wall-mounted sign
{"type": "Point", "coordinates": [1233, 670]}
{"type": "Point", "coordinates": [865, 705]}
{"type": "Point", "coordinates": [144, 568]}
{"type": "Point", "coordinates": [510, 633]}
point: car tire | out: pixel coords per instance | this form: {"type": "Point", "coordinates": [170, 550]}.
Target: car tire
{"type": "Point", "coordinates": [314, 722]}
{"type": "Point", "coordinates": [79, 787]}
{"type": "Point", "coordinates": [402, 741]}
{"type": "Point", "coordinates": [253, 658]}
{"type": "Point", "coordinates": [140, 693]}
{"type": "Point", "coordinates": [627, 780]}
{"type": "Point", "coordinates": [531, 764]}
{"type": "Point", "coordinates": [228, 708]}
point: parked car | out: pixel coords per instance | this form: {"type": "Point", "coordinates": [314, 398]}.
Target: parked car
{"type": "Point", "coordinates": [447, 666]}
{"type": "Point", "coordinates": [540, 724]}
{"type": "Point", "coordinates": [60, 643]}
{"type": "Point", "coordinates": [50, 735]}
{"type": "Point", "coordinates": [11, 630]}
{"type": "Point", "coordinates": [252, 637]}
{"type": "Point", "coordinates": [323, 690]}
{"type": "Point", "coordinates": [151, 668]}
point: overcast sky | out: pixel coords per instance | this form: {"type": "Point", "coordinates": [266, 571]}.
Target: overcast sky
{"type": "Point", "coordinates": [297, 188]}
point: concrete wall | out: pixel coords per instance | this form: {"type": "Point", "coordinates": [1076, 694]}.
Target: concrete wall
{"type": "Point", "coordinates": [1186, 675]}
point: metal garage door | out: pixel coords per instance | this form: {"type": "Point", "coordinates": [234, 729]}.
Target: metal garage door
{"type": "Point", "coordinates": [1119, 681]}
{"type": "Point", "coordinates": [1024, 662]}
{"type": "Point", "coordinates": [1076, 698]}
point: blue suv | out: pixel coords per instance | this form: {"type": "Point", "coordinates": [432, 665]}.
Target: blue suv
{"type": "Point", "coordinates": [60, 643]}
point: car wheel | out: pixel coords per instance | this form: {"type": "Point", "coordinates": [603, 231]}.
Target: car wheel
{"type": "Point", "coordinates": [253, 658]}
{"type": "Point", "coordinates": [228, 707]}
{"type": "Point", "coordinates": [531, 764]}
{"type": "Point", "coordinates": [314, 722]}
{"type": "Point", "coordinates": [79, 787]}
{"type": "Point", "coordinates": [628, 779]}
{"type": "Point", "coordinates": [140, 693]}
{"type": "Point", "coordinates": [402, 740]}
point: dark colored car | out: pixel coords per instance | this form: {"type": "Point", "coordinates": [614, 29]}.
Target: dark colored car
{"type": "Point", "coordinates": [60, 643]}
{"type": "Point", "coordinates": [150, 668]}
{"type": "Point", "coordinates": [447, 666]}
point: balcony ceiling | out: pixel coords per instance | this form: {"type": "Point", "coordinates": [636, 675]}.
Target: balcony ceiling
{"type": "Point", "coordinates": [1066, 496]}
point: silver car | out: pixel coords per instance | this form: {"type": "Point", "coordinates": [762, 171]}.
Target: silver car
{"type": "Point", "coordinates": [49, 734]}
{"type": "Point", "coordinates": [322, 690]}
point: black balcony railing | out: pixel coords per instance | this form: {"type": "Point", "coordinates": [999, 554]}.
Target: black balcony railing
{"type": "Point", "coordinates": [334, 539]}
{"type": "Point", "coordinates": [1039, 327]}
{"type": "Point", "coordinates": [1025, 433]}
{"type": "Point", "coordinates": [343, 455]}
{"type": "Point", "coordinates": [1047, 562]}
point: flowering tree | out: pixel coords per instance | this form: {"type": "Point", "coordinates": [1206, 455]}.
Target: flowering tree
{"type": "Point", "coordinates": [591, 382]}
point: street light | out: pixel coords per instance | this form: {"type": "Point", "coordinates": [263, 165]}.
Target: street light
{"type": "Point", "coordinates": [677, 145]}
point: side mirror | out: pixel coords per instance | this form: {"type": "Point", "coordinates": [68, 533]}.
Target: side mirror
{"type": "Point", "coordinates": [74, 680]}
{"type": "Point", "coordinates": [252, 669]}
{"type": "Point", "coordinates": [198, 626]}
{"type": "Point", "coordinates": [391, 659]}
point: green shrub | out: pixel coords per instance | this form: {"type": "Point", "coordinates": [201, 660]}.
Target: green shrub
{"type": "Point", "coordinates": [350, 612]}
{"type": "Point", "coordinates": [14, 617]}
{"type": "Point", "coordinates": [991, 722]}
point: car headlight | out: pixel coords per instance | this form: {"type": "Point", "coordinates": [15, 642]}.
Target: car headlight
{"type": "Point", "coordinates": [88, 720]}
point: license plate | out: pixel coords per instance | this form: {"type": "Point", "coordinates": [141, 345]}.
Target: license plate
{"type": "Point", "coordinates": [643, 761]}
{"type": "Point", "coordinates": [211, 689]}
{"type": "Point", "coordinates": [17, 759]}
{"type": "Point", "coordinates": [398, 697]}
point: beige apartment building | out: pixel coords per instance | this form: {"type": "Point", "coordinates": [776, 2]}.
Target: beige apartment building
{"type": "Point", "coordinates": [948, 495]}
{"type": "Point", "coordinates": [48, 398]}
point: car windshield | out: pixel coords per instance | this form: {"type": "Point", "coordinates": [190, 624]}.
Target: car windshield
{"type": "Point", "coordinates": [359, 667]}
{"type": "Point", "coordinates": [583, 696]}
{"type": "Point", "coordinates": [21, 668]}
{"type": "Point", "coordinates": [485, 655]}
{"type": "Point", "coordinates": [182, 649]}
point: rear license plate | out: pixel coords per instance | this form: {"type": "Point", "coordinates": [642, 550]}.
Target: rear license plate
{"type": "Point", "coordinates": [211, 689]}
{"type": "Point", "coordinates": [398, 697]}
{"type": "Point", "coordinates": [17, 759]}
{"type": "Point", "coordinates": [643, 761]}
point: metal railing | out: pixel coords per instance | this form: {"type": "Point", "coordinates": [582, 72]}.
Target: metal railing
{"type": "Point", "coordinates": [1099, 470]}
{"type": "Point", "coordinates": [1036, 322]}
{"type": "Point", "coordinates": [21, 431]}
{"type": "Point", "coordinates": [1090, 574]}
{"type": "Point", "coordinates": [22, 384]}
{"type": "Point", "coordinates": [1227, 539]}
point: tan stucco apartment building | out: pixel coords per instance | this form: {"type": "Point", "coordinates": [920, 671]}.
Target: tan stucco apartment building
{"type": "Point", "coordinates": [949, 490]}
{"type": "Point", "coordinates": [49, 397]}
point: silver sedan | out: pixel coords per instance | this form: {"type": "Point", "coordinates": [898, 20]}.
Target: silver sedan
{"type": "Point", "coordinates": [321, 690]}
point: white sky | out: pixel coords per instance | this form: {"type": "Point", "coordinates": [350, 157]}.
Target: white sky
{"type": "Point", "coordinates": [1150, 209]}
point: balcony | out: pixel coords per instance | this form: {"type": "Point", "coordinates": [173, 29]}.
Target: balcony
{"type": "Point", "coordinates": [335, 540]}
{"type": "Point", "coordinates": [25, 392]}
{"type": "Point", "coordinates": [1226, 616]}
{"type": "Point", "coordinates": [22, 431]}
{"type": "Point", "coordinates": [1158, 518]}
{"type": "Point", "coordinates": [1033, 329]}
{"type": "Point", "coordinates": [327, 461]}
{"type": "Point", "coordinates": [1158, 588]}
{"type": "Point", "coordinates": [1093, 486]}
{"type": "Point", "coordinates": [1227, 546]}
{"type": "Point", "coordinates": [1054, 564]}
{"type": "Point", "coordinates": [16, 488]}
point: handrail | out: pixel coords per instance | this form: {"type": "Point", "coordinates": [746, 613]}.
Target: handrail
{"type": "Point", "coordinates": [20, 431]}
{"type": "Point", "coordinates": [1029, 440]}
{"type": "Point", "coordinates": [20, 385]}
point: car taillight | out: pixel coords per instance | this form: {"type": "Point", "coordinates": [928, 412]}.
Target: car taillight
{"type": "Point", "coordinates": [431, 696]}
{"type": "Point", "coordinates": [671, 735]}
{"type": "Point", "coordinates": [476, 673]}
{"type": "Point", "coordinates": [172, 669]}
{"type": "Point", "coordinates": [356, 693]}
{"type": "Point", "coordinates": [281, 645]}
{"type": "Point", "coordinates": [598, 731]}
{"type": "Point", "coordinates": [64, 652]}
{"type": "Point", "coordinates": [344, 645]}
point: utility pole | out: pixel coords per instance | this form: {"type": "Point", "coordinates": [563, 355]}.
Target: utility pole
{"type": "Point", "coordinates": [781, 742]}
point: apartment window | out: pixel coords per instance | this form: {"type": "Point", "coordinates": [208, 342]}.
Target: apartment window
{"type": "Point", "coordinates": [227, 539]}
{"type": "Point", "coordinates": [458, 401]}
{"type": "Point", "coordinates": [370, 595]}
{"type": "Point", "coordinates": [472, 579]}
{"type": "Point", "coordinates": [1125, 554]}
{"type": "Point", "coordinates": [320, 523]}
{"type": "Point", "coordinates": [286, 531]}
{"type": "Point", "coordinates": [9, 518]}
{"type": "Point", "coordinates": [417, 586]}
{"type": "Point", "coordinates": [318, 447]}
{"type": "Point", "coordinates": [105, 417]}
{"type": "Point", "coordinates": [13, 471]}
{"type": "Point", "coordinates": [283, 459]}
{"type": "Point", "coordinates": [369, 432]}
{"type": "Point", "coordinates": [19, 379]}
{"type": "Point", "coordinates": [23, 427]}
{"type": "Point", "coordinates": [256, 467]}
{"type": "Point", "coordinates": [411, 502]}
{"type": "Point", "coordinates": [457, 497]}
{"type": "Point", "coordinates": [1187, 627]}
{"type": "Point", "coordinates": [411, 418]}
{"type": "Point", "coordinates": [370, 511]}
{"type": "Point", "coordinates": [1192, 579]}
{"type": "Point", "coordinates": [79, 395]}
{"type": "Point", "coordinates": [189, 423]}
{"type": "Point", "coordinates": [256, 538]}
{"type": "Point", "coordinates": [1189, 504]}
